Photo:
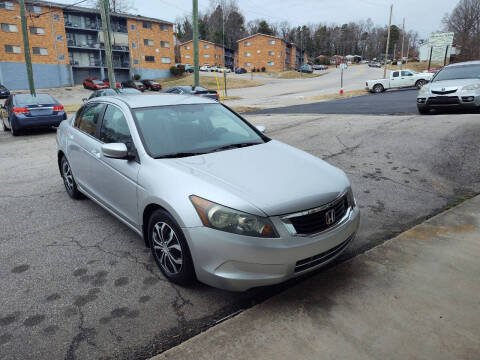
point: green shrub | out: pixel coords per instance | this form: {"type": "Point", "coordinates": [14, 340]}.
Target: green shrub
{"type": "Point", "coordinates": [136, 77]}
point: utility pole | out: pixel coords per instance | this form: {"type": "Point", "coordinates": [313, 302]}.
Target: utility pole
{"type": "Point", "coordinates": [107, 40]}
{"type": "Point", "coordinates": [388, 43]}
{"type": "Point", "coordinates": [195, 43]}
{"type": "Point", "coordinates": [26, 48]}
{"type": "Point", "coordinates": [403, 43]}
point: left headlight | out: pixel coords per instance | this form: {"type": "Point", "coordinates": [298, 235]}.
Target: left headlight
{"type": "Point", "coordinates": [471, 87]}
{"type": "Point", "coordinates": [222, 218]}
{"type": "Point", "coordinates": [424, 89]}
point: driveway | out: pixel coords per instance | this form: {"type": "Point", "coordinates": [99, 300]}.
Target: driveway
{"type": "Point", "coordinates": [78, 284]}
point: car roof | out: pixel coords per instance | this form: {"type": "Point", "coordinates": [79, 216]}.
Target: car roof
{"type": "Point", "coordinates": [136, 101]}
{"type": "Point", "coordinates": [475, 62]}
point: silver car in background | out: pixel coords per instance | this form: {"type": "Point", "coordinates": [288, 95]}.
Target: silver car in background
{"type": "Point", "coordinates": [212, 196]}
{"type": "Point", "coordinates": [456, 86]}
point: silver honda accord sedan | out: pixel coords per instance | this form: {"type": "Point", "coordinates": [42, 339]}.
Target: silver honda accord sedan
{"type": "Point", "coordinates": [212, 196]}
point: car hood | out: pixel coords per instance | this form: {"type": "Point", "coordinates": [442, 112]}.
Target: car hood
{"type": "Point", "coordinates": [273, 177]}
{"type": "Point", "coordinates": [452, 84]}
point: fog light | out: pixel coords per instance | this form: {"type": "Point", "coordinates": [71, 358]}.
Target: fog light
{"type": "Point", "coordinates": [467, 98]}
{"type": "Point", "coordinates": [421, 100]}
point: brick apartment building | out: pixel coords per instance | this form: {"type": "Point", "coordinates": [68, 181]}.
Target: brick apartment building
{"type": "Point", "coordinates": [273, 53]}
{"type": "Point", "coordinates": [209, 53]}
{"type": "Point", "coordinates": [66, 45]}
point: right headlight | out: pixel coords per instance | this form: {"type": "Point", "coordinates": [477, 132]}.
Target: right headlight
{"type": "Point", "coordinates": [424, 90]}
{"type": "Point", "coordinates": [471, 87]}
{"type": "Point", "coordinates": [223, 218]}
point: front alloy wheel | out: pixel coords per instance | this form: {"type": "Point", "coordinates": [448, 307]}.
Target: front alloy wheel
{"type": "Point", "coordinates": [69, 180]}
{"type": "Point", "coordinates": [169, 248]}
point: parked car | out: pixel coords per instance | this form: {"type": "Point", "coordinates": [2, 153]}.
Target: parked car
{"type": "Point", "coordinates": [107, 82]}
{"type": "Point", "coordinates": [374, 64]}
{"type": "Point", "coordinates": [94, 84]}
{"type": "Point", "coordinates": [207, 190]}
{"type": "Point", "coordinates": [189, 68]}
{"type": "Point", "coordinates": [305, 68]}
{"type": "Point", "coordinates": [152, 85]}
{"type": "Point", "coordinates": [111, 92]}
{"type": "Point", "coordinates": [240, 70]}
{"type": "Point", "coordinates": [319, 67]}
{"type": "Point", "coordinates": [434, 70]}
{"type": "Point", "coordinates": [224, 70]}
{"type": "Point", "coordinates": [133, 84]}
{"type": "Point", "coordinates": [190, 90]}
{"type": "Point", "coordinates": [205, 68]}
{"type": "Point", "coordinates": [455, 86]}
{"type": "Point", "coordinates": [24, 111]}
{"type": "Point", "coordinates": [4, 92]}
{"type": "Point", "coordinates": [399, 79]}
{"type": "Point", "coordinates": [213, 68]}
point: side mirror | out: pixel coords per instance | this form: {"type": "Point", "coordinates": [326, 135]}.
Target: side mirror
{"type": "Point", "coordinates": [260, 128]}
{"type": "Point", "coordinates": [84, 100]}
{"type": "Point", "coordinates": [115, 150]}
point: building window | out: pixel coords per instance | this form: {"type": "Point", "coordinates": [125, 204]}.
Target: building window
{"type": "Point", "coordinates": [147, 42]}
{"type": "Point", "coordinates": [247, 54]}
{"type": "Point", "coordinates": [206, 46]}
{"type": "Point", "coordinates": [164, 27]}
{"type": "Point", "coordinates": [7, 5]}
{"type": "Point", "coordinates": [166, 60]}
{"type": "Point", "coordinates": [147, 24]}
{"type": "Point", "coordinates": [206, 55]}
{"type": "Point", "coordinates": [247, 64]}
{"type": "Point", "coordinates": [247, 43]}
{"type": "Point", "coordinates": [37, 30]}
{"type": "Point", "coordinates": [59, 37]}
{"type": "Point", "coordinates": [187, 47]}
{"type": "Point", "coordinates": [61, 57]}
{"type": "Point", "coordinates": [272, 42]}
{"type": "Point", "coordinates": [9, 28]}
{"type": "Point", "coordinates": [150, 58]}
{"type": "Point", "coordinates": [271, 53]}
{"type": "Point", "coordinates": [187, 56]}
{"type": "Point", "coordinates": [39, 51]}
{"type": "Point", "coordinates": [134, 45]}
{"type": "Point", "coordinates": [271, 63]}
{"type": "Point", "coordinates": [164, 44]}
{"type": "Point", "coordinates": [13, 49]}
{"type": "Point", "coordinates": [56, 17]}
{"type": "Point", "coordinates": [135, 61]}
{"type": "Point", "coordinates": [132, 27]}
{"type": "Point", "coordinates": [34, 9]}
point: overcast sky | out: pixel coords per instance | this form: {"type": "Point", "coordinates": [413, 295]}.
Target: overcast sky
{"type": "Point", "coordinates": [423, 16]}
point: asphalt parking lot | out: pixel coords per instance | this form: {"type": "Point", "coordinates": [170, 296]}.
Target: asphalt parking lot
{"type": "Point", "coordinates": [77, 284]}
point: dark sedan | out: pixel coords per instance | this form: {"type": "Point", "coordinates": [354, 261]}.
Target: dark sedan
{"type": "Point", "coordinates": [191, 90]}
{"type": "Point", "coordinates": [4, 92]}
{"type": "Point", "coordinates": [111, 92]}
{"type": "Point", "coordinates": [24, 111]}
{"type": "Point", "coordinates": [152, 85]}
{"type": "Point", "coordinates": [240, 71]}
{"type": "Point", "coordinates": [134, 85]}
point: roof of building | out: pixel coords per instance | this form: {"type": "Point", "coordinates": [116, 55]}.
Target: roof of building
{"type": "Point", "coordinates": [200, 40]}
{"type": "Point", "coordinates": [93, 11]}
{"type": "Point", "coordinates": [260, 34]}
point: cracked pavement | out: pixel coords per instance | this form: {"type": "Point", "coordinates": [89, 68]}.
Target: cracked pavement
{"type": "Point", "coordinates": [78, 284]}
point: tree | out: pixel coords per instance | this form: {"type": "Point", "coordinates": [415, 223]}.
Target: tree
{"type": "Point", "coordinates": [264, 28]}
{"type": "Point", "coordinates": [117, 6]}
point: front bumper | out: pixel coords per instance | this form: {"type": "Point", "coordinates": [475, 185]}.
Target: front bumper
{"type": "Point", "coordinates": [237, 263]}
{"type": "Point", "coordinates": [464, 100]}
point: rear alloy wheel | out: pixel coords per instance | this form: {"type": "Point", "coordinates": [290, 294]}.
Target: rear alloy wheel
{"type": "Point", "coordinates": [419, 84]}
{"type": "Point", "coordinates": [69, 180]}
{"type": "Point", "coordinates": [169, 248]}
{"type": "Point", "coordinates": [378, 88]}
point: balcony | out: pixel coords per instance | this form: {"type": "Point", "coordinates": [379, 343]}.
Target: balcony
{"type": "Point", "coordinates": [91, 27]}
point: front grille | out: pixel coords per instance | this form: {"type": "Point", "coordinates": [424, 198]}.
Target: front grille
{"type": "Point", "coordinates": [323, 257]}
{"type": "Point", "coordinates": [443, 100]}
{"type": "Point", "coordinates": [317, 221]}
{"type": "Point", "coordinates": [445, 92]}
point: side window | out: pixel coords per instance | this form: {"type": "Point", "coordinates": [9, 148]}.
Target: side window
{"type": "Point", "coordinates": [114, 127]}
{"type": "Point", "coordinates": [395, 74]}
{"type": "Point", "coordinates": [406, 73]}
{"type": "Point", "coordinates": [87, 119]}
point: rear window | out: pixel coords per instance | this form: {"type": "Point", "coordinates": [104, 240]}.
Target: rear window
{"type": "Point", "coordinates": [27, 99]}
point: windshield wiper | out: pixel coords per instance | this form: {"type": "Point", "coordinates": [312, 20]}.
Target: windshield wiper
{"type": "Point", "coordinates": [234, 146]}
{"type": "Point", "coordinates": [179, 155]}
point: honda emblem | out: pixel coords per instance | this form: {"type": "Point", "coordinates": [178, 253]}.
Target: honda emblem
{"type": "Point", "coordinates": [330, 217]}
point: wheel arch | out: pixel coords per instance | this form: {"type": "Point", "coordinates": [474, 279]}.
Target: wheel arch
{"type": "Point", "coordinates": [60, 155]}
{"type": "Point", "coordinates": [147, 212]}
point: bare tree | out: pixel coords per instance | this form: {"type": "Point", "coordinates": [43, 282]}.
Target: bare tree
{"type": "Point", "coordinates": [117, 6]}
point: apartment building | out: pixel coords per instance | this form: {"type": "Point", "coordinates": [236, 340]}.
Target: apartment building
{"type": "Point", "coordinates": [209, 53]}
{"type": "Point", "coordinates": [270, 52]}
{"type": "Point", "coordinates": [67, 45]}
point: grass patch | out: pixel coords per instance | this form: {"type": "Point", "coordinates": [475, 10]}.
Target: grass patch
{"type": "Point", "coordinates": [346, 94]}
{"type": "Point", "coordinates": [232, 98]}
{"type": "Point", "coordinates": [292, 74]}
{"type": "Point", "coordinates": [459, 200]}
{"type": "Point", "coordinates": [244, 109]}
{"type": "Point", "coordinates": [209, 82]}
{"type": "Point", "coordinates": [72, 108]}
{"type": "Point", "coordinates": [415, 66]}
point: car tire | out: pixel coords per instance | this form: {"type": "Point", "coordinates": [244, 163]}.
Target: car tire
{"type": "Point", "coordinates": [419, 84]}
{"type": "Point", "coordinates": [170, 252]}
{"type": "Point", "coordinates": [5, 128]}
{"type": "Point", "coordinates": [15, 132]}
{"type": "Point", "coordinates": [378, 88]}
{"type": "Point", "coordinates": [69, 180]}
{"type": "Point", "coordinates": [423, 110]}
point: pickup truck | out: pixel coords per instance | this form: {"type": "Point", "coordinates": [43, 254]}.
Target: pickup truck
{"type": "Point", "coordinates": [399, 79]}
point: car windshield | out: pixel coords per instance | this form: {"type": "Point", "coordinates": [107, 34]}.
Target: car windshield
{"type": "Point", "coordinates": [186, 130]}
{"type": "Point", "coordinates": [27, 99]}
{"type": "Point", "coordinates": [458, 72]}
{"type": "Point", "coordinates": [97, 82]}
